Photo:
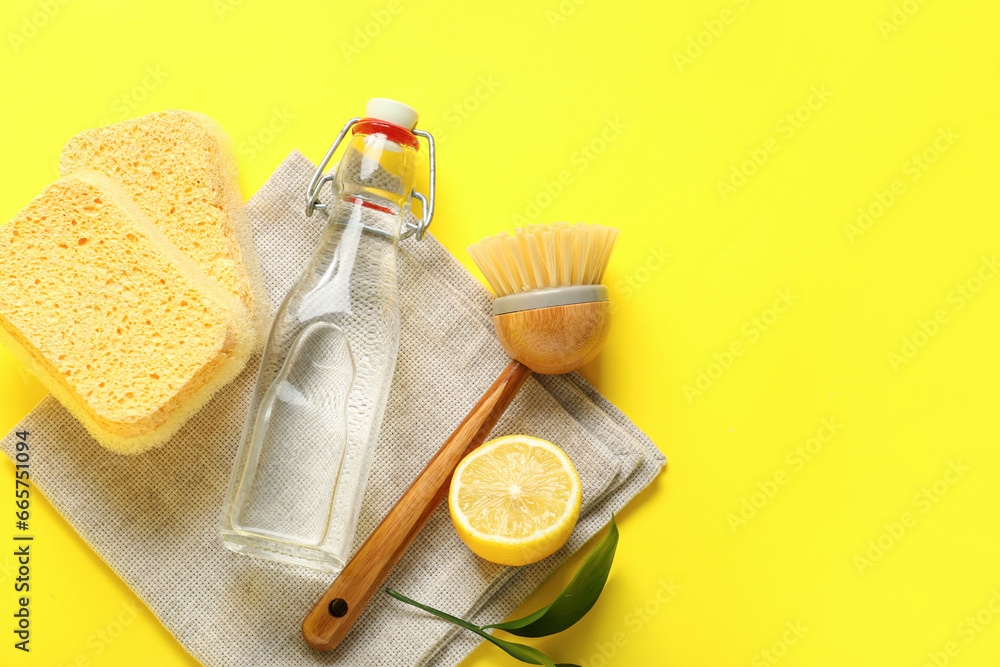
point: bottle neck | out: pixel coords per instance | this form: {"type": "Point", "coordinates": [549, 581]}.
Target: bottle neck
{"type": "Point", "coordinates": [377, 170]}
{"type": "Point", "coordinates": [394, 133]}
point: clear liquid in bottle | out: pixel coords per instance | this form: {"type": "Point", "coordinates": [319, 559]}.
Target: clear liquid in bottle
{"type": "Point", "coordinates": [321, 392]}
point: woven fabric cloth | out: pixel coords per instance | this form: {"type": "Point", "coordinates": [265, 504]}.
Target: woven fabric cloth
{"type": "Point", "coordinates": [154, 517]}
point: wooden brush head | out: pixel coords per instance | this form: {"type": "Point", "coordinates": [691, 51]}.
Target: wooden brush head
{"type": "Point", "coordinates": [551, 314]}
{"type": "Point", "coordinates": [557, 339]}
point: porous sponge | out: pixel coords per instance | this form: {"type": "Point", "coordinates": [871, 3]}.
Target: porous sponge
{"type": "Point", "coordinates": [180, 169]}
{"type": "Point", "coordinates": [124, 329]}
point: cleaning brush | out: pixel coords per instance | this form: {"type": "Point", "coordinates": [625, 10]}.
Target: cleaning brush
{"type": "Point", "coordinates": [551, 313]}
{"type": "Point", "coordinates": [552, 316]}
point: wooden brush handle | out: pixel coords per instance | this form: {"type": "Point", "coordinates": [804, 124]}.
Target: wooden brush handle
{"type": "Point", "coordinates": [335, 613]}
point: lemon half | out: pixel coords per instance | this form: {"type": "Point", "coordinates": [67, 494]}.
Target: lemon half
{"type": "Point", "coordinates": [515, 499]}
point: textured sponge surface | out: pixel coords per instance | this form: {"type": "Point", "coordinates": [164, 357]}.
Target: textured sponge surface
{"type": "Point", "coordinates": [112, 319]}
{"type": "Point", "coordinates": [179, 168]}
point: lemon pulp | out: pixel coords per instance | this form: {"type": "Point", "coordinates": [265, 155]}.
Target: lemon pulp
{"type": "Point", "coordinates": [515, 500]}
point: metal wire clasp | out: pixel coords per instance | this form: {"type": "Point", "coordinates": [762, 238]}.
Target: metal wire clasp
{"type": "Point", "coordinates": [320, 179]}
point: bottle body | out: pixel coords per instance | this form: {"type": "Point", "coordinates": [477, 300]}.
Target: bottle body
{"type": "Point", "coordinates": [325, 374]}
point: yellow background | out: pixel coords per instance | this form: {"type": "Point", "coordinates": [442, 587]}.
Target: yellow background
{"type": "Point", "coordinates": [684, 94]}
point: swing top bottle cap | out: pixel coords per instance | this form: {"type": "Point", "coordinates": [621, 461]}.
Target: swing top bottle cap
{"type": "Point", "coordinates": [391, 111]}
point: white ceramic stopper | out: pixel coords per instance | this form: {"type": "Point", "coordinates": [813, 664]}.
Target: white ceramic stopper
{"type": "Point", "coordinates": [391, 111]}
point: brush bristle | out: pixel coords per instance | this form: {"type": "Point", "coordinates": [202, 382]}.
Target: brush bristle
{"type": "Point", "coordinates": [545, 255]}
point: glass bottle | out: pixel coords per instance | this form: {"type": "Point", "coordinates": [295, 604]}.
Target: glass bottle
{"type": "Point", "coordinates": [303, 461]}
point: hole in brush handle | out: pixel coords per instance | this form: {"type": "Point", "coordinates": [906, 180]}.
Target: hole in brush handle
{"type": "Point", "coordinates": [338, 607]}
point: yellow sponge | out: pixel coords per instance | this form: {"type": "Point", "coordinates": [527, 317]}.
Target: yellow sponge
{"type": "Point", "coordinates": [180, 169]}
{"type": "Point", "coordinates": [124, 329]}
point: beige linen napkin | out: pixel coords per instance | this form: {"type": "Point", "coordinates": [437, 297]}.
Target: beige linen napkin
{"type": "Point", "coordinates": [154, 517]}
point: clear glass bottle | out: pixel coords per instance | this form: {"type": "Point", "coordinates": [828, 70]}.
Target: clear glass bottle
{"type": "Point", "coordinates": [303, 461]}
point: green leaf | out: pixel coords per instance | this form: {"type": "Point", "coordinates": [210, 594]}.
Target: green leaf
{"type": "Point", "coordinates": [578, 597]}
{"type": "Point", "coordinates": [523, 653]}
{"type": "Point", "coordinates": [576, 600]}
